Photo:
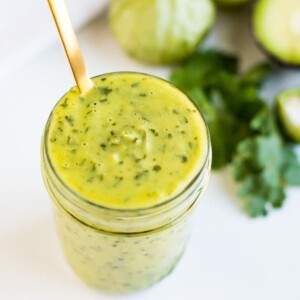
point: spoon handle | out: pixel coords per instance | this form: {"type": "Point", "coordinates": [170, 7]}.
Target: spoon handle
{"type": "Point", "coordinates": [70, 43]}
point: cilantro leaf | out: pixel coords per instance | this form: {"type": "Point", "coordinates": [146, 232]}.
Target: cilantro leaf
{"type": "Point", "coordinates": [257, 166]}
{"type": "Point", "coordinates": [256, 75]}
{"type": "Point", "coordinates": [264, 166]}
{"type": "Point", "coordinates": [212, 80]}
{"type": "Point", "coordinates": [291, 168]}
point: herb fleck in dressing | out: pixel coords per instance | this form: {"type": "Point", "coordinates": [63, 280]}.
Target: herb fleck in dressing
{"type": "Point", "coordinates": [131, 142]}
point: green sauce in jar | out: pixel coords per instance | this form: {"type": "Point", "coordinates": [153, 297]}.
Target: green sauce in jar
{"type": "Point", "coordinates": [124, 165]}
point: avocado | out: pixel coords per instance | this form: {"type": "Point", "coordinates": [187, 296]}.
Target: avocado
{"type": "Point", "coordinates": [288, 111]}
{"type": "Point", "coordinates": [276, 28]}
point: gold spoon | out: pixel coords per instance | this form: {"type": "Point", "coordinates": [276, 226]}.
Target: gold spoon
{"type": "Point", "coordinates": [70, 43]}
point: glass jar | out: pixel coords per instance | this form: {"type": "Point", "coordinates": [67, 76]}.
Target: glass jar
{"type": "Point", "coordinates": [121, 250]}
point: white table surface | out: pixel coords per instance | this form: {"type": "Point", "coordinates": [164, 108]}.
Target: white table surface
{"type": "Point", "coordinates": [229, 257]}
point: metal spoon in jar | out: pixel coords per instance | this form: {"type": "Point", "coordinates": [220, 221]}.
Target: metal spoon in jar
{"type": "Point", "coordinates": [70, 44]}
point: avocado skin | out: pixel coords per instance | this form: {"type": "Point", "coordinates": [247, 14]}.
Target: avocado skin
{"type": "Point", "coordinates": [273, 58]}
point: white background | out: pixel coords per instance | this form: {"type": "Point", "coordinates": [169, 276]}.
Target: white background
{"type": "Point", "coordinates": [229, 257]}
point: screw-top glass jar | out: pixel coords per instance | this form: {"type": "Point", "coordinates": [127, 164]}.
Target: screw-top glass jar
{"type": "Point", "coordinates": [120, 248]}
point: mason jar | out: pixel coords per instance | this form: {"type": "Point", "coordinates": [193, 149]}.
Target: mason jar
{"type": "Point", "coordinates": [122, 250]}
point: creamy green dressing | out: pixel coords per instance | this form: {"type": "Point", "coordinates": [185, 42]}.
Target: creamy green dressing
{"type": "Point", "coordinates": [131, 142]}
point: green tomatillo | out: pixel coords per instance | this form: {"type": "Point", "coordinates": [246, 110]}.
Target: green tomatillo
{"type": "Point", "coordinates": [160, 31]}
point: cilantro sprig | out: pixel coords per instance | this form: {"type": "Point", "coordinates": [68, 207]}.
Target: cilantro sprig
{"type": "Point", "coordinates": [227, 100]}
{"type": "Point", "coordinates": [264, 165]}
{"type": "Point", "coordinates": [242, 127]}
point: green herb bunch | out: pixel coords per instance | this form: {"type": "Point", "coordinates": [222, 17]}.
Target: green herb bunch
{"type": "Point", "coordinates": [242, 126]}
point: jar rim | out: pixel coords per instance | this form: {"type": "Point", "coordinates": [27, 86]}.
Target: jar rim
{"type": "Point", "coordinates": [144, 210]}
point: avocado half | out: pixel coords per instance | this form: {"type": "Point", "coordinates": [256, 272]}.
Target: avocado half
{"type": "Point", "coordinates": [276, 28]}
{"type": "Point", "coordinates": [288, 111]}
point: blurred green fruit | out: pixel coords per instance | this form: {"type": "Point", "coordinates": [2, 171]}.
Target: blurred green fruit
{"type": "Point", "coordinates": [276, 28]}
{"type": "Point", "coordinates": [288, 110]}
{"type": "Point", "coordinates": [160, 31]}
